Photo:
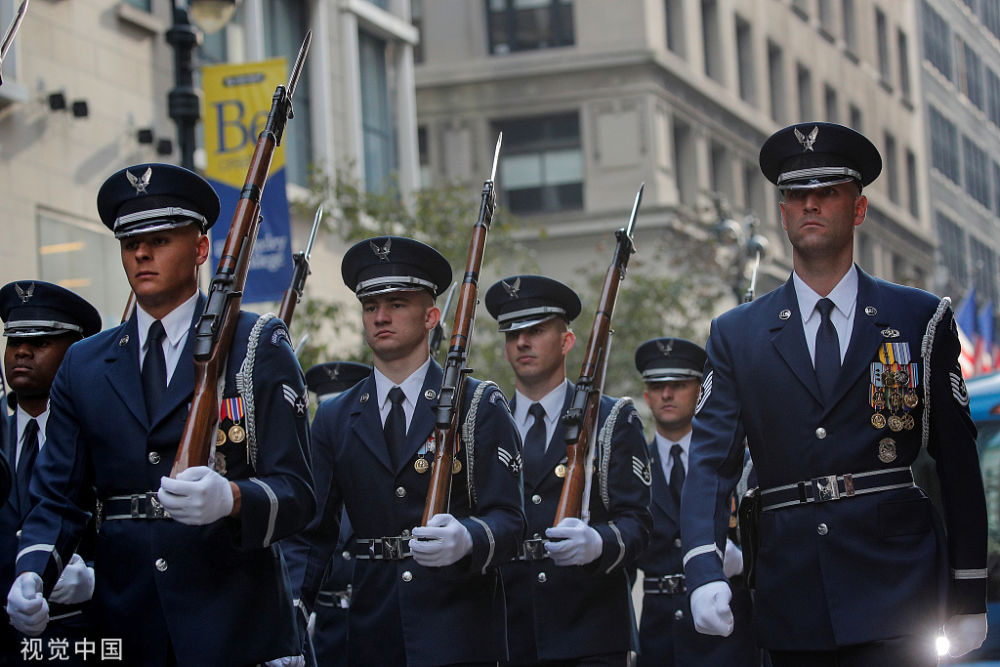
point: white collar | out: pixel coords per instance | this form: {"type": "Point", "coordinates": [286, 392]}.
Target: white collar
{"type": "Point", "coordinates": [411, 386]}
{"type": "Point", "coordinates": [176, 323]}
{"type": "Point", "coordinates": [552, 402]}
{"type": "Point", "coordinates": [664, 445]}
{"type": "Point", "coordinates": [844, 295]}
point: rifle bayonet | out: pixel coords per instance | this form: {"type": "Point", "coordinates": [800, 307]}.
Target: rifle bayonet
{"type": "Point", "coordinates": [312, 234]}
{"type": "Point", "coordinates": [8, 38]}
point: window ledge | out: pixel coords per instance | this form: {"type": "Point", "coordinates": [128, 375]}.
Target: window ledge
{"type": "Point", "coordinates": [139, 18]}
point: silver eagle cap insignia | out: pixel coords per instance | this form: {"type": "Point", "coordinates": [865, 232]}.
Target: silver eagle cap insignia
{"type": "Point", "coordinates": [140, 184]}
{"type": "Point", "coordinates": [807, 141]}
{"type": "Point", "coordinates": [383, 252]}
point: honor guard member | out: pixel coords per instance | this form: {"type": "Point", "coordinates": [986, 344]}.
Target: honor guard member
{"type": "Point", "coordinates": [837, 380]}
{"type": "Point", "coordinates": [568, 599]}
{"type": "Point", "coordinates": [187, 569]}
{"type": "Point", "coordinates": [671, 369]}
{"type": "Point", "coordinates": [329, 634]}
{"type": "Point", "coordinates": [41, 320]}
{"type": "Point", "coordinates": [420, 595]}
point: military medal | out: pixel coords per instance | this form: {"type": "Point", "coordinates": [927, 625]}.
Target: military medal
{"type": "Point", "coordinates": [220, 463]}
{"type": "Point", "coordinates": [560, 470]}
{"type": "Point", "coordinates": [421, 465]}
{"type": "Point", "coordinates": [895, 423]}
{"type": "Point", "coordinates": [878, 420]}
{"type": "Point", "coordinates": [456, 466]}
{"type": "Point", "coordinates": [886, 450]}
{"type": "Point", "coordinates": [908, 422]}
{"type": "Point", "coordinates": [910, 399]}
{"type": "Point", "coordinates": [237, 434]}
{"type": "Point", "coordinates": [220, 438]}
{"type": "Point", "coordinates": [893, 384]}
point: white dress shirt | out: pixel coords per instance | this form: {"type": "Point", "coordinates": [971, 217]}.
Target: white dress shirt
{"type": "Point", "coordinates": [23, 418]}
{"type": "Point", "coordinates": [845, 300]}
{"type": "Point", "coordinates": [663, 447]}
{"type": "Point", "coordinates": [176, 325]}
{"type": "Point", "coordinates": [411, 387]}
{"type": "Point", "coordinates": [553, 404]}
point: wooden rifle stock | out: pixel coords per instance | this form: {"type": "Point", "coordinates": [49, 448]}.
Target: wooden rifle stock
{"type": "Point", "coordinates": [217, 324]}
{"type": "Point", "coordinates": [300, 273]}
{"type": "Point", "coordinates": [456, 369]}
{"type": "Point", "coordinates": [129, 307]}
{"type": "Point", "coordinates": [582, 416]}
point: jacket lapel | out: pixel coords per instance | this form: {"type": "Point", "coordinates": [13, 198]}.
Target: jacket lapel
{"type": "Point", "coordinates": [556, 449]}
{"type": "Point", "coordinates": [789, 339]}
{"type": "Point", "coordinates": [865, 337]}
{"type": "Point", "coordinates": [123, 369]}
{"type": "Point", "coordinates": [367, 423]}
{"type": "Point", "coordinates": [660, 490]}
{"type": "Point", "coordinates": [181, 385]}
{"type": "Point", "coordinates": [422, 424]}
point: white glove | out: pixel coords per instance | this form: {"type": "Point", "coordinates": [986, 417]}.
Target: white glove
{"type": "Point", "coordinates": [197, 497]}
{"type": "Point", "coordinates": [579, 544]}
{"type": "Point", "coordinates": [27, 609]}
{"type": "Point", "coordinates": [444, 541]}
{"type": "Point", "coordinates": [710, 609]}
{"type": "Point", "coordinates": [289, 661]}
{"type": "Point", "coordinates": [965, 632]}
{"type": "Point", "coordinates": [76, 583]}
{"type": "Point", "coordinates": [732, 563]}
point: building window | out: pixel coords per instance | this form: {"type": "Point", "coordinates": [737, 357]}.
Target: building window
{"type": "Point", "coordinates": [377, 130]}
{"type": "Point", "coordinates": [804, 78]}
{"type": "Point", "coordinates": [542, 164]}
{"type": "Point", "coordinates": [284, 24]}
{"type": "Point", "coordinates": [944, 145]}
{"type": "Point", "coordinates": [850, 25]}
{"type": "Point", "coordinates": [685, 163]}
{"type": "Point", "coordinates": [424, 156]}
{"type": "Point", "coordinates": [977, 172]}
{"type": "Point", "coordinates": [984, 269]}
{"type": "Point", "coordinates": [674, 11]}
{"type": "Point", "coordinates": [417, 20]}
{"type": "Point", "coordinates": [903, 46]}
{"type": "Point", "coordinates": [776, 81]}
{"type": "Point", "coordinates": [710, 39]}
{"type": "Point", "coordinates": [912, 190]}
{"type": "Point", "coordinates": [856, 120]}
{"type": "Point", "coordinates": [993, 97]}
{"type": "Point", "coordinates": [890, 169]}
{"type": "Point", "coordinates": [882, 43]}
{"type": "Point", "coordinates": [744, 60]}
{"type": "Point", "coordinates": [801, 7]}
{"type": "Point", "coordinates": [144, 5]}
{"type": "Point", "coordinates": [991, 17]}
{"type": "Point", "coordinates": [937, 40]}
{"type": "Point", "coordinates": [528, 25]}
{"type": "Point", "coordinates": [830, 103]}
{"type": "Point", "coordinates": [970, 74]}
{"type": "Point", "coordinates": [721, 171]}
{"type": "Point", "coordinates": [826, 17]}
{"type": "Point", "coordinates": [952, 246]}
{"type": "Point", "coordinates": [82, 257]}
{"type": "Point", "coordinates": [753, 186]}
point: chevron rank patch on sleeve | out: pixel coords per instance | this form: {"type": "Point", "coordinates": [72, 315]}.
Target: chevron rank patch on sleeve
{"type": "Point", "coordinates": [642, 471]}
{"type": "Point", "coordinates": [706, 391]}
{"type": "Point", "coordinates": [958, 388]}
{"type": "Point", "coordinates": [294, 399]}
{"type": "Point", "coordinates": [512, 461]}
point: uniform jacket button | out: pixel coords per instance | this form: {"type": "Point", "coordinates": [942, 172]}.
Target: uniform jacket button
{"type": "Point", "coordinates": [821, 433]}
{"type": "Point", "coordinates": [677, 543]}
{"type": "Point", "coordinates": [536, 499]}
{"type": "Point", "coordinates": [161, 565]}
{"type": "Point", "coordinates": [822, 529]}
{"type": "Point", "coordinates": [154, 457]}
{"type": "Point", "coordinates": [679, 614]}
{"type": "Point", "coordinates": [542, 578]}
{"type": "Point", "coordinates": [400, 492]}
{"type": "Point", "coordinates": [407, 576]}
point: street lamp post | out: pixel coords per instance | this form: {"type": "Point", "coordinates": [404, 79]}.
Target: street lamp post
{"type": "Point", "coordinates": [184, 99]}
{"type": "Point", "coordinates": [743, 241]}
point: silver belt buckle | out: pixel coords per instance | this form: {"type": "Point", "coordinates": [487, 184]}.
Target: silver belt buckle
{"type": "Point", "coordinates": [134, 507]}
{"type": "Point", "coordinates": [392, 548]}
{"type": "Point", "coordinates": [826, 488]}
{"type": "Point", "coordinates": [159, 511]}
{"type": "Point", "coordinates": [534, 549]}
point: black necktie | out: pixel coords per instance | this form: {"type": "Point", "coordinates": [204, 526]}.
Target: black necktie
{"type": "Point", "coordinates": [827, 349]}
{"type": "Point", "coordinates": [676, 472]}
{"type": "Point", "coordinates": [395, 426]}
{"type": "Point", "coordinates": [26, 461]}
{"type": "Point", "coordinates": [154, 368]}
{"type": "Point", "coordinates": [535, 440]}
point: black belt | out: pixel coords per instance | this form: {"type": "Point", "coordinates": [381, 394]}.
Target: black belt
{"type": "Point", "coordinates": [532, 549]}
{"type": "Point", "coordinates": [383, 548]}
{"type": "Point", "coordinates": [136, 506]}
{"type": "Point", "coordinates": [337, 599]}
{"type": "Point", "coordinates": [671, 584]}
{"type": "Point", "coordinates": [835, 487]}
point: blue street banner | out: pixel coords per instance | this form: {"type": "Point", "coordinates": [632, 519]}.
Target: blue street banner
{"type": "Point", "coordinates": [237, 101]}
